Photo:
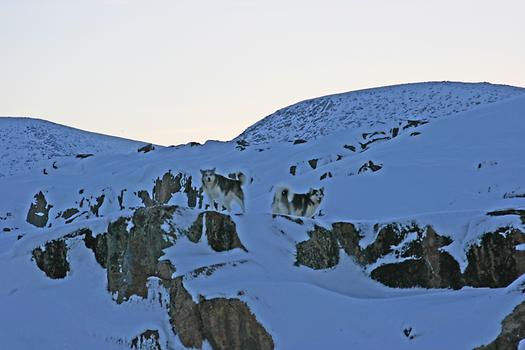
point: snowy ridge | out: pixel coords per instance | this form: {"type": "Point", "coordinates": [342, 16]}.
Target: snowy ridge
{"type": "Point", "coordinates": [447, 174]}
{"type": "Point", "coordinates": [26, 142]}
{"type": "Point", "coordinates": [375, 109]}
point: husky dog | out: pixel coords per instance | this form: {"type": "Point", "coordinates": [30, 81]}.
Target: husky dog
{"type": "Point", "coordinates": [299, 204]}
{"type": "Point", "coordinates": [222, 190]}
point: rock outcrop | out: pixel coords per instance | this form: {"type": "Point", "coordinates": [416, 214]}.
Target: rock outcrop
{"type": "Point", "coordinates": [512, 331]}
{"type": "Point", "coordinates": [419, 260]}
{"type": "Point", "coordinates": [38, 213]}
{"type": "Point", "coordinates": [220, 231]}
{"type": "Point", "coordinates": [52, 259]}
{"type": "Point", "coordinates": [165, 187]}
{"type": "Point", "coordinates": [147, 340]}
{"type": "Point", "coordinates": [132, 257]}
{"type": "Point", "coordinates": [495, 262]}
{"type": "Point", "coordinates": [224, 323]}
{"type": "Point", "coordinates": [321, 251]}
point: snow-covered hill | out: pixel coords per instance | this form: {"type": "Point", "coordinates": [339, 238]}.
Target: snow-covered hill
{"type": "Point", "coordinates": [374, 109]}
{"type": "Point", "coordinates": [418, 244]}
{"type": "Point", "coordinates": [26, 143]}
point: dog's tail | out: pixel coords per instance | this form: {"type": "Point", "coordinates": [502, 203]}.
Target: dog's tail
{"type": "Point", "coordinates": [283, 192]}
{"type": "Point", "coordinates": [242, 178]}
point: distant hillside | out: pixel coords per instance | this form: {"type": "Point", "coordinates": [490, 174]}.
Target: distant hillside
{"type": "Point", "coordinates": [373, 108]}
{"type": "Point", "coordinates": [24, 142]}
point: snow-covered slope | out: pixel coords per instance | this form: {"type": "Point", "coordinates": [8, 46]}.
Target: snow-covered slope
{"type": "Point", "coordinates": [374, 109]}
{"type": "Point", "coordinates": [461, 175]}
{"type": "Point", "coordinates": [26, 142]}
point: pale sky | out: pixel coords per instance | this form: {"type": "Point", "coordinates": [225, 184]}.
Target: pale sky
{"type": "Point", "coordinates": [170, 71]}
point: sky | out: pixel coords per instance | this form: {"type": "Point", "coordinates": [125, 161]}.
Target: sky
{"type": "Point", "coordinates": [175, 71]}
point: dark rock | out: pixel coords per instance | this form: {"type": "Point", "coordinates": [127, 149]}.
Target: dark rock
{"type": "Point", "coordinates": [194, 233]}
{"type": "Point", "coordinates": [299, 141]}
{"type": "Point", "coordinates": [293, 169]}
{"type": "Point", "coordinates": [147, 340]}
{"type": "Point", "coordinates": [325, 175]}
{"type": "Point", "coordinates": [495, 262]}
{"type": "Point", "coordinates": [221, 232]}
{"type": "Point", "coordinates": [193, 193]}
{"type": "Point", "coordinates": [84, 155]}
{"type": "Point", "coordinates": [145, 197]}
{"type": "Point", "coordinates": [164, 188]}
{"type": "Point", "coordinates": [52, 260]}
{"type": "Point", "coordinates": [242, 144]}
{"type": "Point", "coordinates": [132, 257]}
{"type": "Point", "coordinates": [394, 132]}
{"type": "Point", "coordinates": [415, 133]}
{"type": "Point", "coordinates": [519, 212]}
{"type": "Point", "coordinates": [95, 208]}
{"type": "Point", "coordinates": [369, 166]}
{"type": "Point", "coordinates": [38, 213]}
{"type": "Point", "coordinates": [348, 237]}
{"type": "Point", "coordinates": [420, 273]}
{"type": "Point", "coordinates": [388, 236]}
{"type": "Point", "coordinates": [350, 147]}
{"type": "Point", "coordinates": [224, 323]}
{"type": "Point", "coordinates": [366, 144]}
{"type": "Point", "coordinates": [321, 251]}
{"type": "Point", "coordinates": [146, 148]}
{"type": "Point", "coordinates": [184, 315]}
{"type": "Point", "coordinates": [512, 331]}
{"type": "Point", "coordinates": [313, 163]}
{"type": "Point", "coordinates": [120, 199]}
{"type": "Point", "coordinates": [69, 213]}
{"type": "Point", "coordinates": [229, 324]}
{"type": "Point", "coordinates": [414, 123]}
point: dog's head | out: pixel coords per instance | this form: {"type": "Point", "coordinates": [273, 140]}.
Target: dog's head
{"type": "Point", "coordinates": [208, 176]}
{"type": "Point", "coordinates": [316, 194]}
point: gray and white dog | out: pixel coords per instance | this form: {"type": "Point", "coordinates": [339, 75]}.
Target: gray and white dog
{"type": "Point", "coordinates": [223, 190]}
{"type": "Point", "coordinates": [299, 204]}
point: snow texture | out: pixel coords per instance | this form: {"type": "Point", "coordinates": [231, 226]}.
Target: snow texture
{"type": "Point", "coordinates": [373, 108]}
{"type": "Point", "coordinates": [449, 174]}
{"type": "Point", "coordinates": [27, 142]}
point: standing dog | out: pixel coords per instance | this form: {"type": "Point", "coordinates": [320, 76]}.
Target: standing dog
{"type": "Point", "coordinates": [299, 204]}
{"type": "Point", "coordinates": [222, 190]}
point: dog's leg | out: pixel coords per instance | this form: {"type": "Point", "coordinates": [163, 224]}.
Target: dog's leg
{"type": "Point", "coordinates": [241, 203]}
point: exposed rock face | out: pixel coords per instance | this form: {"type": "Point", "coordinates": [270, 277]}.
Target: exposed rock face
{"type": "Point", "coordinates": [132, 257]}
{"type": "Point", "coordinates": [431, 267]}
{"type": "Point", "coordinates": [221, 231]}
{"type": "Point", "coordinates": [52, 259]}
{"type": "Point", "coordinates": [313, 163]}
{"type": "Point", "coordinates": [68, 213]}
{"type": "Point", "coordinates": [495, 262]}
{"type": "Point", "coordinates": [321, 251]}
{"type": "Point", "coordinates": [369, 166]}
{"type": "Point", "coordinates": [184, 315]}
{"type": "Point", "coordinates": [165, 188]}
{"type": "Point", "coordinates": [512, 331]}
{"type": "Point", "coordinates": [229, 324]}
{"type": "Point", "coordinates": [224, 323]}
{"type": "Point", "coordinates": [146, 148]}
{"type": "Point", "coordinates": [95, 208]}
{"type": "Point", "coordinates": [147, 340]}
{"type": "Point", "coordinates": [38, 213]}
